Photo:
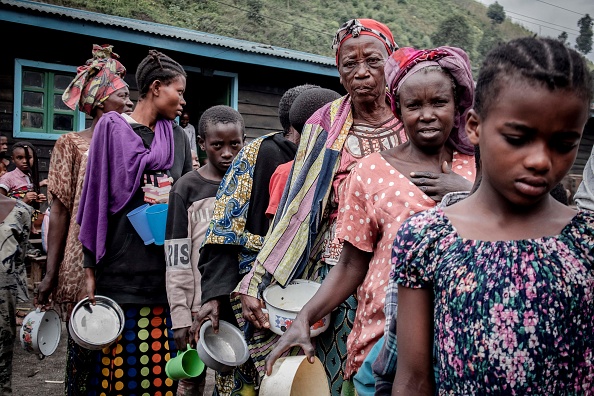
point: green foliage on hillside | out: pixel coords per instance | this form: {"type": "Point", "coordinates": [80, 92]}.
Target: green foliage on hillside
{"type": "Point", "coordinates": [309, 25]}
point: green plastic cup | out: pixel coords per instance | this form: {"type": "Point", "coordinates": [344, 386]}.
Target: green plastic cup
{"type": "Point", "coordinates": [186, 364]}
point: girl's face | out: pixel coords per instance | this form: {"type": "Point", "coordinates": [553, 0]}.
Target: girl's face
{"type": "Point", "coordinates": [3, 145]}
{"type": "Point", "coordinates": [119, 101]}
{"type": "Point", "coordinates": [427, 109]}
{"type": "Point", "coordinates": [20, 161]}
{"type": "Point", "coordinates": [170, 98]}
{"type": "Point", "coordinates": [528, 140]}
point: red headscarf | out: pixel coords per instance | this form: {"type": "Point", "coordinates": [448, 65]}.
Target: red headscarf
{"type": "Point", "coordinates": [98, 78]}
{"type": "Point", "coordinates": [366, 27]}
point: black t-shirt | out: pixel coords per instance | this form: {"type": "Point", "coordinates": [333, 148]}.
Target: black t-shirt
{"type": "Point", "coordinates": [130, 271]}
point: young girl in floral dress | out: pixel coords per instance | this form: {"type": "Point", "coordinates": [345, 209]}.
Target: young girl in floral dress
{"type": "Point", "coordinates": [502, 281]}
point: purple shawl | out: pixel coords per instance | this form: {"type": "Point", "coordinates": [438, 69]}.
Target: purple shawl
{"type": "Point", "coordinates": [117, 160]}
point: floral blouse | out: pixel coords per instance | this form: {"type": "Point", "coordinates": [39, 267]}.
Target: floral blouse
{"type": "Point", "coordinates": [511, 317]}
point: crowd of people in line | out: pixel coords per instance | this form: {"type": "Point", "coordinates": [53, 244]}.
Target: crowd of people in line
{"type": "Point", "coordinates": [426, 202]}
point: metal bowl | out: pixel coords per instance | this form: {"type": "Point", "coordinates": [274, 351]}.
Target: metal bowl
{"type": "Point", "coordinates": [96, 326]}
{"type": "Point", "coordinates": [222, 351]}
{"type": "Point", "coordinates": [294, 375]}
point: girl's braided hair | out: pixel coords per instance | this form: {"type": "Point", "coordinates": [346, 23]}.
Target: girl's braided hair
{"type": "Point", "coordinates": [156, 66]}
{"type": "Point", "coordinates": [543, 61]}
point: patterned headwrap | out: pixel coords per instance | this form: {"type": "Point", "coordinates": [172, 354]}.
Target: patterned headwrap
{"type": "Point", "coordinates": [98, 78]}
{"type": "Point", "coordinates": [407, 61]}
{"type": "Point", "coordinates": [366, 27]}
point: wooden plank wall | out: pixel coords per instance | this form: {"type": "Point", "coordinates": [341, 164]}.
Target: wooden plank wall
{"type": "Point", "coordinates": [259, 108]}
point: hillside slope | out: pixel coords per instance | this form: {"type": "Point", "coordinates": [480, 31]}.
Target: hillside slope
{"type": "Point", "coordinates": [309, 25]}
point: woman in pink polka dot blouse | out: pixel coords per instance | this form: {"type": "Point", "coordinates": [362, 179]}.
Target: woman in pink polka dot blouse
{"type": "Point", "coordinates": [380, 194]}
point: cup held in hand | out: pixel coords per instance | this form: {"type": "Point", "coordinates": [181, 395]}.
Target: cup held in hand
{"type": "Point", "coordinates": [140, 222]}
{"type": "Point", "coordinates": [156, 216]}
{"type": "Point", "coordinates": [186, 364]}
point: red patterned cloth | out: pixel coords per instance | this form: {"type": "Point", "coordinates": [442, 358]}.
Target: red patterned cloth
{"type": "Point", "coordinates": [98, 78]}
{"type": "Point", "coordinates": [377, 200]}
{"type": "Point", "coordinates": [406, 61]}
{"type": "Point", "coordinates": [366, 27]}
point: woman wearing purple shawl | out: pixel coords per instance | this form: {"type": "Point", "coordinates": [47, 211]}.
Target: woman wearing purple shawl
{"type": "Point", "coordinates": [131, 156]}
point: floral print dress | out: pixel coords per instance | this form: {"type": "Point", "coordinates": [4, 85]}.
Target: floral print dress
{"type": "Point", "coordinates": [511, 317]}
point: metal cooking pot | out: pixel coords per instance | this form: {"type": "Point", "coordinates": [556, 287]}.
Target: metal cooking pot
{"type": "Point", "coordinates": [96, 326]}
{"type": "Point", "coordinates": [283, 305]}
{"type": "Point", "coordinates": [40, 332]}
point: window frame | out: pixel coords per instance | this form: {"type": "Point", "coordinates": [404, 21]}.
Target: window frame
{"type": "Point", "coordinates": [234, 86]}
{"type": "Point", "coordinates": [233, 82]}
{"type": "Point", "coordinates": [19, 64]}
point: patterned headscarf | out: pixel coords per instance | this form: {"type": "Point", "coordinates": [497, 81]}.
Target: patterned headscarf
{"type": "Point", "coordinates": [366, 27]}
{"type": "Point", "coordinates": [98, 78]}
{"type": "Point", "coordinates": [407, 61]}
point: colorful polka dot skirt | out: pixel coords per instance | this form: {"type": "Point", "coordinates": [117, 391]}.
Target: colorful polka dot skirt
{"type": "Point", "coordinates": [135, 364]}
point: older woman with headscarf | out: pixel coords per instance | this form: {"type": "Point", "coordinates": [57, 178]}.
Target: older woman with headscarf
{"type": "Point", "coordinates": [98, 88]}
{"type": "Point", "coordinates": [430, 99]}
{"type": "Point", "coordinates": [302, 243]}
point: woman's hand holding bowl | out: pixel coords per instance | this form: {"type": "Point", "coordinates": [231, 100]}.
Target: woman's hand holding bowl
{"type": "Point", "coordinates": [252, 311]}
{"type": "Point", "coordinates": [298, 334]}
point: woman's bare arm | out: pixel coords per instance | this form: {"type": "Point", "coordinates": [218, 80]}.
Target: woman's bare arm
{"type": "Point", "coordinates": [56, 244]}
{"type": "Point", "coordinates": [341, 282]}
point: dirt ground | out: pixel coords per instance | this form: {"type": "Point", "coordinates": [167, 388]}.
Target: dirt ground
{"type": "Point", "coordinates": [32, 376]}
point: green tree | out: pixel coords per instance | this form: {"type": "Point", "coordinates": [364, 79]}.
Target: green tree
{"type": "Point", "coordinates": [584, 41]}
{"type": "Point", "coordinates": [563, 37]}
{"type": "Point", "coordinates": [491, 38]}
{"type": "Point", "coordinates": [454, 31]}
{"type": "Point", "coordinates": [255, 11]}
{"type": "Point", "coordinates": [496, 13]}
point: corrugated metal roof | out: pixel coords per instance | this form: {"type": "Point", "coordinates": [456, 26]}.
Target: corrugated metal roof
{"type": "Point", "coordinates": [173, 32]}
